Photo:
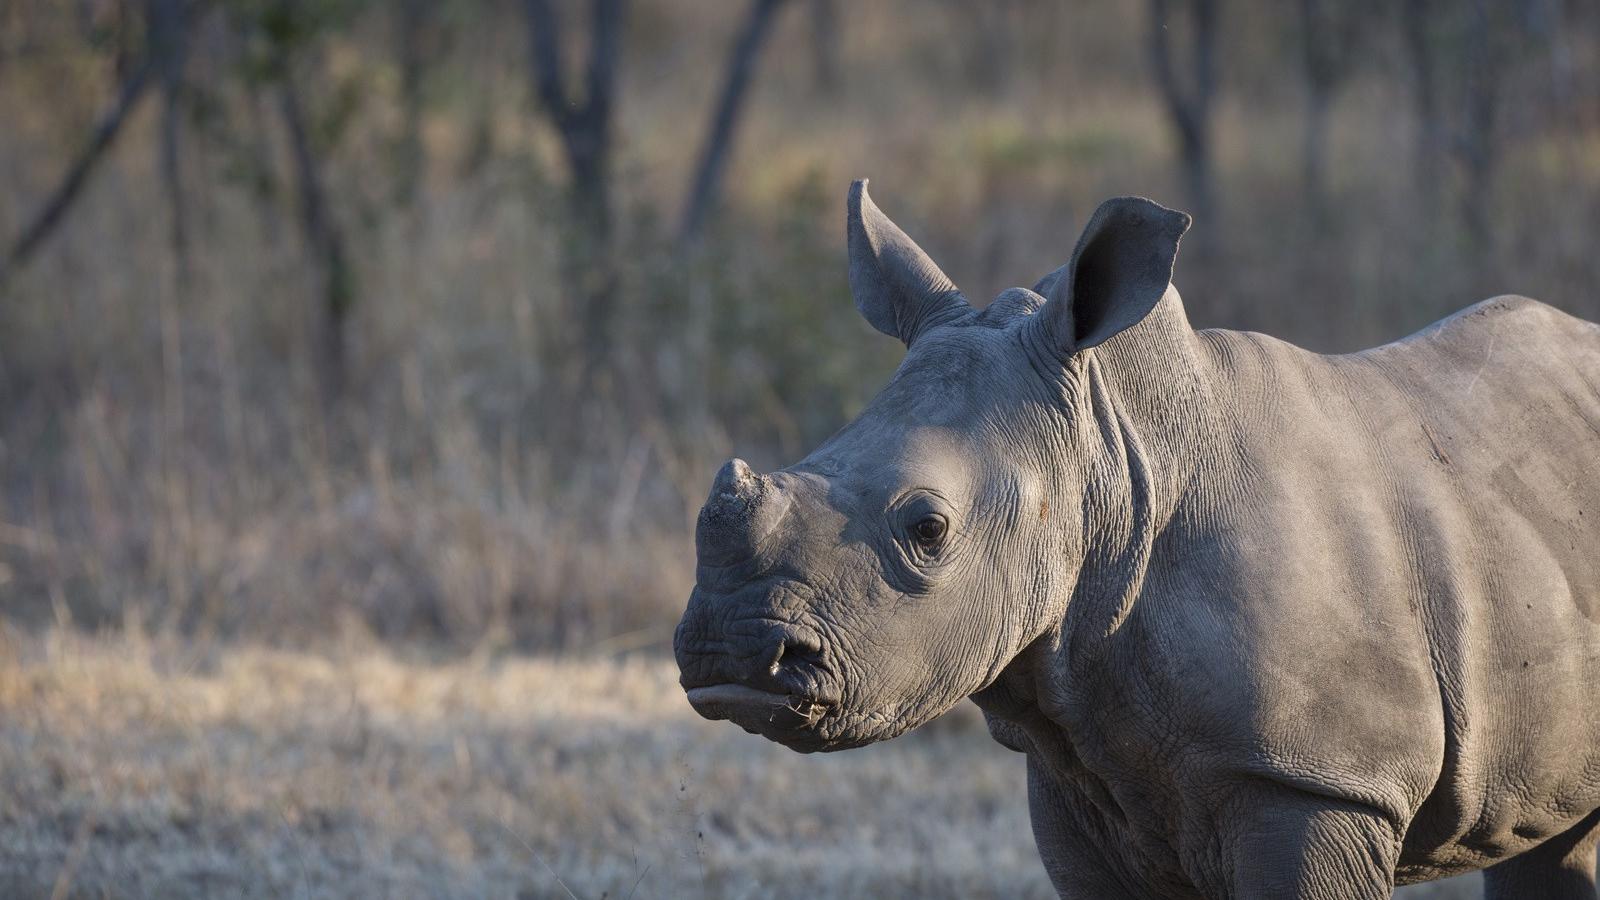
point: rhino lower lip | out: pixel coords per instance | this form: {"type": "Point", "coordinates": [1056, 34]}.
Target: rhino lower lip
{"type": "Point", "coordinates": [754, 708]}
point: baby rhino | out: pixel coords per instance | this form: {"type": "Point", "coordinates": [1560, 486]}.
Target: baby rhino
{"type": "Point", "coordinates": [1266, 623]}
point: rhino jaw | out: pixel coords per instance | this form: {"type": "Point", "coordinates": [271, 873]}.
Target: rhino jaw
{"type": "Point", "coordinates": [785, 718]}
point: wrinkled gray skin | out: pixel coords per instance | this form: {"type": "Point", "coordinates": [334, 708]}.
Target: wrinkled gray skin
{"type": "Point", "coordinates": [1266, 623]}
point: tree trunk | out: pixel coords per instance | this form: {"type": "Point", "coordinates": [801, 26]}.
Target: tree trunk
{"type": "Point", "coordinates": [725, 120]}
{"type": "Point", "coordinates": [1320, 64]}
{"type": "Point", "coordinates": [413, 19]}
{"type": "Point", "coordinates": [322, 235]}
{"type": "Point", "coordinates": [1429, 151]}
{"type": "Point", "coordinates": [1189, 106]}
{"type": "Point", "coordinates": [1476, 143]}
{"type": "Point", "coordinates": [585, 131]}
{"type": "Point", "coordinates": [5, 37]}
{"type": "Point", "coordinates": [825, 46]}
{"type": "Point", "coordinates": [169, 47]}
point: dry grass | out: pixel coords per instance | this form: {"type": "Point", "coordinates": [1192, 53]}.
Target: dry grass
{"type": "Point", "coordinates": [147, 770]}
{"type": "Point", "coordinates": [139, 768]}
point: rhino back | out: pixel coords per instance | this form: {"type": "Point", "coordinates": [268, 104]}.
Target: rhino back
{"type": "Point", "coordinates": [1410, 543]}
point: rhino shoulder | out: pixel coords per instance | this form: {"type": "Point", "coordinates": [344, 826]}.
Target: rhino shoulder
{"type": "Point", "coordinates": [1504, 316]}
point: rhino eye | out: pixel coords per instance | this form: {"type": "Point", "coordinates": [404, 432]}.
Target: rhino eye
{"type": "Point", "coordinates": [929, 530]}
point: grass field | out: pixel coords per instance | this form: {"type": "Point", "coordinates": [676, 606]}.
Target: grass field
{"type": "Point", "coordinates": [139, 768]}
{"type": "Point", "coordinates": [177, 456]}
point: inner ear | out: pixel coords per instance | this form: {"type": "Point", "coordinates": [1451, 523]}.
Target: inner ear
{"type": "Point", "coordinates": [1119, 271]}
{"type": "Point", "coordinates": [1092, 284]}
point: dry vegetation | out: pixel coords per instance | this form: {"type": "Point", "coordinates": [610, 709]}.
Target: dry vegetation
{"type": "Point", "coordinates": [164, 444]}
{"type": "Point", "coordinates": [336, 585]}
{"type": "Point", "coordinates": [140, 768]}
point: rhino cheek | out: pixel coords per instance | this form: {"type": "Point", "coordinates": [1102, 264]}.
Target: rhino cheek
{"type": "Point", "coordinates": [910, 661]}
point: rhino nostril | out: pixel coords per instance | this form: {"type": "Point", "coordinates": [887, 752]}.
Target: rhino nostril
{"type": "Point", "coordinates": [794, 648]}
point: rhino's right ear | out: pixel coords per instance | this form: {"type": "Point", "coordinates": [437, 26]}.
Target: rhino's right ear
{"type": "Point", "coordinates": [1118, 273]}
{"type": "Point", "coordinates": [896, 286]}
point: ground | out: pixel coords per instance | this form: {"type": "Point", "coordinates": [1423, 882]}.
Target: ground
{"type": "Point", "coordinates": [139, 768]}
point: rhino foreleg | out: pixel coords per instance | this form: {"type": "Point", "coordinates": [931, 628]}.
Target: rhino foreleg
{"type": "Point", "coordinates": [1562, 868]}
{"type": "Point", "coordinates": [1286, 844]}
{"type": "Point", "coordinates": [1077, 866]}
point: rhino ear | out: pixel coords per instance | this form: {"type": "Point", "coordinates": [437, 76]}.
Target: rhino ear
{"type": "Point", "coordinates": [896, 286]}
{"type": "Point", "coordinates": [1119, 271]}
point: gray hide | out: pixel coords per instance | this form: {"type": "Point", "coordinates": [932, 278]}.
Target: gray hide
{"type": "Point", "coordinates": [1266, 623]}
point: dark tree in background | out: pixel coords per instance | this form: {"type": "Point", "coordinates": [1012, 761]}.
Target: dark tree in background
{"type": "Point", "coordinates": [1459, 55]}
{"type": "Point", "coordinates": [168, 24]}
{"type": "Point", "coordinates": [993, 29]}
{"type": "Point", "coordinates": [825, 37]}
{"type": "Point", "coordinates": [1477, 142]}
{"type": "Point", "coordinates": [718, 145]}
{"type": "Point", "coordinates": [288, 28]}
{"type": "Point", "coordinates": [412, 20]}
{"type": "Point", "coordinates": [1330, 31]}
{"type": "Point", "coordinates": [1189, 91]}
{"type": "Point", "coordinates": [394, 292]}
{"type": "Point", "coordinates": [584, 123]}
{"type": "Point", "coordinates": [40, 226]}
{"type": "Point", "coordinates": [1419, 52]}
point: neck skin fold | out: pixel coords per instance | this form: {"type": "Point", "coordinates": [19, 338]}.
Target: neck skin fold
{"type": "Point", "coordinates": [1145, 422]}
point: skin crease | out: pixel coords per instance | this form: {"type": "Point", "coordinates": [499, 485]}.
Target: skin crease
{"type": "Point", "coordinates": [1266, 623]}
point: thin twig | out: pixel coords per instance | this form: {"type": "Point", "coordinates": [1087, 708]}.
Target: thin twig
{"type": "Point", "coordinates": [714, 154]}
{"type": "Point", "coordinates": [637, 882]}
{"type": "Point", "coordinates": [299, 852]}
{"type": "Point", "coordinates": [520, 839]}
{"type": "Point", "coordinates": [69, 867]}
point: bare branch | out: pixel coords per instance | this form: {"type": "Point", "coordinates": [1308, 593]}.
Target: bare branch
{"type": "Point", "coordinates": [100, 140]}
{"type": "Point", "coordinates": [168, 23]}
{"type": "Point", "coordinates": [1430, 138]}
{"type": "Point", "coordinates": [724, 121]}
{"type": "Point", "coordinates": [1329, 33]}
{"type": "Point", "coordinates": [585, 131]}
{"type": "Point", "coordinates": [605, 47]}
{"type": "Point", "coordinates": [544, 36]}
{"type": "Point", "coordinates": [825, 45]}
{"type": "Point", "coordinates": [412, 19]}
{"type": "Point", "coordinates": [323, 237]}
{"type": "Point", "coordinates": [1189, 107]}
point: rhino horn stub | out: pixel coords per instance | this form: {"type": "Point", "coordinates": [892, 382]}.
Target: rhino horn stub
{"type": "Point", "coordinates": [742, 509]}
{"type": "Point", "coordinates": [735, 481]}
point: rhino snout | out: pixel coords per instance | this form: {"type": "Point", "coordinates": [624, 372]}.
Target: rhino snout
{"type": "Point", "coordinates": [760, 653]}
{"type": "Point", "coordinates": [742, 510]}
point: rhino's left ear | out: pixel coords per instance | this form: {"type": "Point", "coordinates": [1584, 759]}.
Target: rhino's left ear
{"type": "Point", "coordinates": [896, 286]}
{"type": "Point", "coordinates": [1119, 271]}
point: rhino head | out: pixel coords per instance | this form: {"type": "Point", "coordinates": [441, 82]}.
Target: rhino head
{"type": "Point", "coordinates": [902, 565]}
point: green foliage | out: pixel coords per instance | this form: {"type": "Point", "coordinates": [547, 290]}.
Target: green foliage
{"type": "Point", "coordinates": [1008, 147]}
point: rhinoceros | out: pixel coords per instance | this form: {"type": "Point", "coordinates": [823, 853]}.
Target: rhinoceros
{"type": "Point", "coordinates": [1265, 623]}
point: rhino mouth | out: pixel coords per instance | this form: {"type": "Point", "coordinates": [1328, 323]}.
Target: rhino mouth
{"type": "Point", "coordinates": [771, 714]}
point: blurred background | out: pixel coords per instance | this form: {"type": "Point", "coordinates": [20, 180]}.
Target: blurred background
{"type": "Point", "coordinates": [363, 366]}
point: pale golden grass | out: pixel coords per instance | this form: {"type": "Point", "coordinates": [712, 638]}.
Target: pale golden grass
{"type": "Point", "coordinates": [140, 768]}
{"type": "Point", "coordinates": [136, 767]}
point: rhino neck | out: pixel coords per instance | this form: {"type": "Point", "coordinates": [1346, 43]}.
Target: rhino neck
{"type": "Point", "coordinates": [1147, 442]}
{"type": "Point", "coordinates": [1148, 417]}
{"type": "Point", "coordinates": [1153, 379]}
{"type": "Point", "coordinates": [1145, 430]}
